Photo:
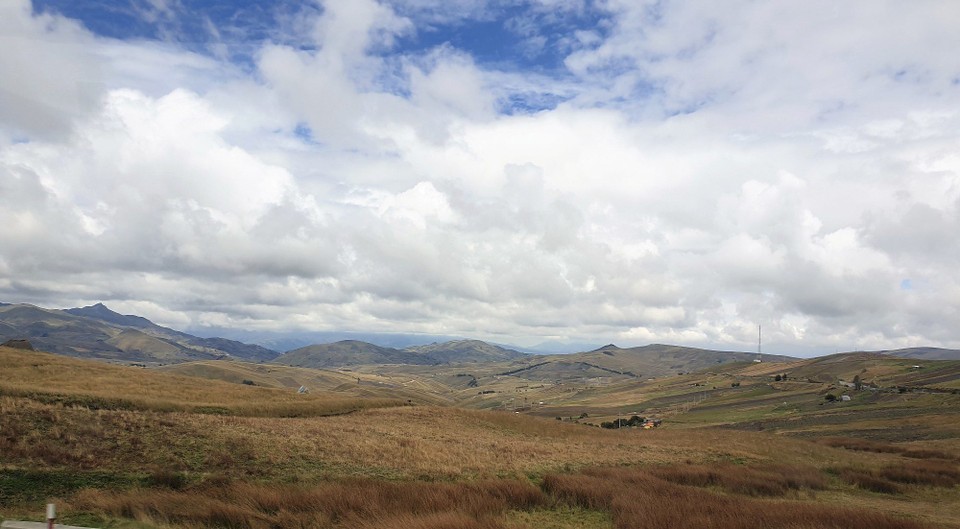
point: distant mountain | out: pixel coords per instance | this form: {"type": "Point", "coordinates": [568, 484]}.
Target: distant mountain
{"type": "Point", "coordinates": [616, 363]}
{"type": "Point", "coordinates": [102, 313]}
{"type": "Point", "coordinates": [98, 332]}
{"type": "Point", "coordinates": [924, 353]}
{"type": "Point", "coordinates": [466, 352]}
{"type": "Point", "coordinates": [354, 352]}
{"type": "Point", "coordinates": [554, 347]}
{"type": "Point", "coordinates": [350, 353]}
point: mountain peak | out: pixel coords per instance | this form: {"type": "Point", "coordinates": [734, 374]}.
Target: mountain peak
{"type": "Point", "coordinates": [99, 311]}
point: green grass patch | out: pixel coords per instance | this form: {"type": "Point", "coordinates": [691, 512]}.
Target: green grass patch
{"type": "Point", "coordinates": [29, 486]}
{"type": "Point", "coordinates": [560, 517]}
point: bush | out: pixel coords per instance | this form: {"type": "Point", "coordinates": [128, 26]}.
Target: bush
{"type": "Point", "coordinates": [934, 473]}
{"type": "Point", "coordinates": [168, 480]}
{"type": "Point", "coordinates": [868, 480]}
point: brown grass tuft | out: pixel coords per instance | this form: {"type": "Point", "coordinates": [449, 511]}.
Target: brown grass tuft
{"type": "Point", "coordinates": [639, 501]}
{"type": "Point", "coordinates": [888, 480]}
{"type": "Point", "coordinates": [770, 480]}
{"type": "Point", "coordinates": [935, 473]}
{"type": "Point", "coordinates": [360, 503]}
{"type": "Point", "coordinates": [864, 445]}
{"type": "Point", "coordinates": [868, 480]}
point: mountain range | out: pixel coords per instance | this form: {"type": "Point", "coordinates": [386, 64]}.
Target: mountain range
{"type": "Point", "coordinates": [352, 352]}
{"type": "Point", "coordinates": [98, 332]}
{"type": "Point", "coordinates": [95, 331]}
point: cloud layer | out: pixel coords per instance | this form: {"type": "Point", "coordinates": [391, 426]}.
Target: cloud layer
{"type": "Point", "coordinates": [673, 172]}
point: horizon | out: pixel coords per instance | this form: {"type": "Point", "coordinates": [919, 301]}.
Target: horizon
{"type": "Point", "coordinates": [521, 173]}
{"type": "Point", "coordinates": [400, 341]}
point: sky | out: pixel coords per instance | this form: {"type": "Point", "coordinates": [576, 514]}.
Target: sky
{"type": "Point", "coordinates": [625, 171]}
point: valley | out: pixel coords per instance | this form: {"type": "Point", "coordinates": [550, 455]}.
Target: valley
{"type": "Point", "coordinates": [163, 433]}
{"type": "Point", "coordinates": [229, 443]}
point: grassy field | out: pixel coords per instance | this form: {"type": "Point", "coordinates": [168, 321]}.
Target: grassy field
{"type": "Point", "coordinates": [132, 448]}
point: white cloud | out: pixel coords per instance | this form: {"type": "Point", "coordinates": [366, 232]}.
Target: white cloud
{"type": "Point", "coordinates": [715, 168]}
{"type": "Point", "coordinates": [50, 77]}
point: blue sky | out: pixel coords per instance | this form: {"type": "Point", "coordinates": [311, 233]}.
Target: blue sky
{"type": "Point", "coordinates": [522, 172]}
{"type": "Point", "coordinates": [513, 36]}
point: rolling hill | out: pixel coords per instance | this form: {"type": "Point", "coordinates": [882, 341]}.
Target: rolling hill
{"type": "Point", "coordinates": [925, 353]}
{"type": "Point", "coordinates": [350, 353]}
{"type": "Point", "coordinates": [98, 332]}
{"type": "Point", "coordinates": [466, 352]}
{"type": "Point", "coordinates": [120, 446]}
{"type": "Point", "coordinates": [614, 363]}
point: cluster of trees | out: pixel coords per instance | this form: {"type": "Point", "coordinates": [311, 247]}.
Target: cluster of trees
{"type": "Point", "coordinates": [633, 421]}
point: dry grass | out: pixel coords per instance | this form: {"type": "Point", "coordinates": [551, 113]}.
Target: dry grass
{"type": "Point", "coordinates": [867, 480]}
{"type": "Point", "coordinates": [640, 500]}
{"type": "Point", "coordinates": [766, 480]}
{"type": "Point", "coordinates": [403, 442]}
{"type": "Point", "coordinates": [56, 379]}
{"type": "Point", "coordinates": [932, 473]}
{"type": "Point", "coordinates": [892, 478]}
{"type": "Point", "coordinates": [359, 504]}
{"type": "Point", "coordinates": [421, 466]}
{"type": "Point", "coordinates": [865, 445]}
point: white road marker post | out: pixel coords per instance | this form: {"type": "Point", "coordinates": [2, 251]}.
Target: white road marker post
{"type": "Point", "coordinates": [51, 515]}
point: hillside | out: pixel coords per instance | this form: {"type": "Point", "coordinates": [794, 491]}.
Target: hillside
{"type": "Point", "coordinates": [50, 378]}
{"type": "Point", "coordinates": [347, 353]}
{"type": "Point", "coordinates": [350, 353]}
{"type": "Point", "coordinates": [925, 353]}
{"type": "Point", "coordinates": [792, 398]}
{"type": "Point", "coordinates": [612, 363]}
{"type": "Point", "coordinates": [323, 380]}
{"type": "Point", "coordinates": [466, 352]}
{"type": "Point", "coordinates": [128, 447]}
{"type": "Point", "coordinates": [98, 332]}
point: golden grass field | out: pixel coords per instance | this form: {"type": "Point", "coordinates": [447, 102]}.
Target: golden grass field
{"type": "Point", "coordinates": [126, 447]}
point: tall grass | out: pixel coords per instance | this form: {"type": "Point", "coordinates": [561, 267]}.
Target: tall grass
{"type": "Point", "coordinates": [767, 480]}
{"type": "Point", "coordinates": [362, 503]}
{"type": "Point", "coordinates": [640, 500]}
{"type": "Point", "coordinates": [720, 497]}
{"type": "Point", "coordinates": [889, 479]}
{"type": "Point", "coordinates": [864, 445]}
{"type": "Point", "coordinates": [933, 473]}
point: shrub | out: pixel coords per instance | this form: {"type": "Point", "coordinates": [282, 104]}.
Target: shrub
{"type": "Point", "coordinates": [168, 480]}
{"type": "Point", "coordinates": [868, 480]}
{"type": "Point", "coordinates": [937, 474]}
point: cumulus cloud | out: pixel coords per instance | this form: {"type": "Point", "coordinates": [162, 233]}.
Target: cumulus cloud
{"type": "Point", "coordinates": [703, 170]}
{"type": "Point", "coordinates": [50, 76]}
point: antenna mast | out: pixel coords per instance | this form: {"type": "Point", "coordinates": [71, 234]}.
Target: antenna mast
{"type": "Point", "coordinates": [759, 343]}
